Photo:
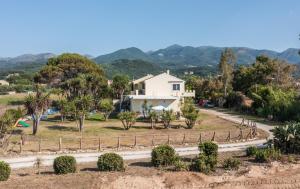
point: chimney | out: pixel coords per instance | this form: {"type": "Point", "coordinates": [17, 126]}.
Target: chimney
{"type": "Point", "coordinates": [168, 72]}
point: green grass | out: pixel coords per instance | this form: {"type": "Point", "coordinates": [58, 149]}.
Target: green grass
{"type": "Point", "coordinates": [14, 99]}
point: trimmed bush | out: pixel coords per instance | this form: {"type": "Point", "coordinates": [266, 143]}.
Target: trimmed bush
{"type": "Point", "coordinates": [209, 148]}
{"type": "Point", "coordinates": [163, 155]}
{"type": "Point", "coordinates": [110, 162]}
{"type": "Point", "coordinates": [180, 166]}
{"type": "Point", "coordinates": [64, 165]}
{"type": "Point", "coordinates": [231, 164]}
{"type": "Point", "coordinates": [251, 151]}
{"type": "Point", "coordinates": [4, 171]}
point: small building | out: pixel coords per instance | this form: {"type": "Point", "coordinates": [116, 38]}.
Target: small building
{"type": "Point", "coordinates": [163, 90]}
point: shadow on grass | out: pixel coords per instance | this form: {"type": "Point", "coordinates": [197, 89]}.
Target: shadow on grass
{"type": "Point", "coordinates": [16, 102]}
{"type": "Point", "coordinates": [141, 164]}
{"type": "Point", "coordinates": [17, 131]}
{"type": "Point", "coordinates": [53, 119]}
{"type": "Point", "coordinates": [114, 128]}
{"type": "Point", "coordinates": [23, 174]}
{"type": "Point", "coordinates": [62, 128]}
{"type": "Point", "coordinates": [47, 173]}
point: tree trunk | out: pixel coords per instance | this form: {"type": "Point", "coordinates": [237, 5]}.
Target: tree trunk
{"type": "Point", "coordinates": [81, 123]}
{"type": "Point", "coordinates": [121, 100]}
{"type": "Point", "coordinates": [62, 118]}
{"type": "Point", "coordinates": [35, 125]}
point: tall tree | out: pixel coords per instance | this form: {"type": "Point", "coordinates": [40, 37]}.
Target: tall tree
{"type": "Point", "coordinates": [36, 104]}
{"type": "Point", "coordinates": [82, 81]}
{"type": "Point", "coordinates": [119, 85]}
{"type": "Point", "coordinates": [226, 66]}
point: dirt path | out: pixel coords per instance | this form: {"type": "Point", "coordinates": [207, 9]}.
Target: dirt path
{"type": "Point", "coordinates": [238, 119]}
{"type": "Point", "coordinates": [29, 161]}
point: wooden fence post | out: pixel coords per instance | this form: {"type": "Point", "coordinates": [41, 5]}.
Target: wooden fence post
{"type": "Point", "coordinates": [153, 140]}
{"type": "Point", "coordinates": [241, 134]}
{"type": "Point", "coordinates": [229, 136]}
{"type": "Point", "coordinates": [200, 138]}
{"type": "Point", "coordinates": [40, 141]}
{"type": "Point", "coordinates": [183, 140]}
{"type": "Point", "coordinates": [60, 144]}
{"type": "Point", "coordinates": [213, 138]}
{"type": "Point", "coordinates": [119, 144]}
{"type": "Point", "coordinates": [99, 144]}
{"type": "Point", "coordinates": [80, 143]}
{"type": "Point", "coordinates": [21, 146]}
{"type": "Point", "coordinates": [135, 141]}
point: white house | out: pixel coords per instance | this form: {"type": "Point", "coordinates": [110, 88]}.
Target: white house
{"type": "Point", "coordinates": [163, 90]}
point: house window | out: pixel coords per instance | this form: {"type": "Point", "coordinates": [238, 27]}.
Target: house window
{"type": "Point", "coordinates": [176, 87]}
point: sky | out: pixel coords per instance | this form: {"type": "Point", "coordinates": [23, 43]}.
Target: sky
{"type": "Point", "coordinates": [98, 27]}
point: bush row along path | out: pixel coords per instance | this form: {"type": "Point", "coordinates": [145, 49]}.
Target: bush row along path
{"type": "Point", "coordinates": [46, 160]}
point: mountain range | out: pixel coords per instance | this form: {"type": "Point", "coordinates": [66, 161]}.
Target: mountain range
{"type": "Point", "coordinates": [174, 57]}
{"type": "Point", "coordinates": [187, 56]}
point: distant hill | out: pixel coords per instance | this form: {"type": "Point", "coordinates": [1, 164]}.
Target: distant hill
{"type": "Point", "coordinates": [132, 68]}
{"type": "Point", "coordinates": [131, 53]}
{"type": "Point", "coordinates": [177, 56]}
{"type": "Point", "coordinates": [135, 62]}
{"type": "Point", "coordinates": [26, 63]}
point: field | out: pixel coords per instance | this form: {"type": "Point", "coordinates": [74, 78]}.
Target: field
{"type": "Point", "coordinates": [112, 134]}
{"type": "Point", "coordinates": [140, 174]}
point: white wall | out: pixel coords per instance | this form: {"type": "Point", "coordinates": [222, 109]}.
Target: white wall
{"type": "Point", "coordinates": [162, 85]}
{"type": "Point", "coordinates": [136, 104]}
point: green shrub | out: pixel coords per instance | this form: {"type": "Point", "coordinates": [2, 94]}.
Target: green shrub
{"type": "Point", "coordinates": [251, 151]}
{"type": "Point", "coordinates": [261, 156]}
{"type": "Point", "coordinates": [273, 154]}
{"type": "Point", "coordinates": [110, 162]}
{"type": "Point", "coordinates": [180, 166]}
{"type": "Point", "coordinates": [267, 155]}
{"type": "Point", "coordinates": [4, 171]}
{"type": "Point", "coordinates": [128, 119]}
{"type": "Point", "coordinates": [209, 148]}
{"type": "Point", "coordinates": [163, 155]}
{"type": "Point", "coordinates": [231, 164]}
{"type": "Point", "coordinates": [204, 164]}
{"type": "Point", "coordinates": [64, 165]}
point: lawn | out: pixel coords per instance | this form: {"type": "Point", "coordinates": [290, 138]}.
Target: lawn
{"type": "Point", "coordinates": [110, 131]}
{"type": "Point", "coordinates": [13, 99]}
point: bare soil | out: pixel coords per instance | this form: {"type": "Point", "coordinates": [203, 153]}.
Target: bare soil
{"type": "Point", "coordinates": [142, 175]}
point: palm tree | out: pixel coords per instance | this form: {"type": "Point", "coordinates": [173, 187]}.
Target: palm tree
{"type": "Point", "coordinates": [36, 105]}
{"type": "Point", "coordinates": [82, 105]}
{"type": "Point", "coordinates": [153, 116]}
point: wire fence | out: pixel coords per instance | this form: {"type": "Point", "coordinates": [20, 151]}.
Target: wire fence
{"type": "Point", "coordinates": [34, 144]}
